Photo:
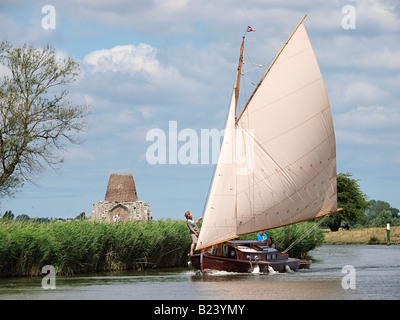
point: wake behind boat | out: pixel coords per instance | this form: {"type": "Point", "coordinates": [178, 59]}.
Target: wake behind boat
{"type": "Point", "coordinates": [277, 164]}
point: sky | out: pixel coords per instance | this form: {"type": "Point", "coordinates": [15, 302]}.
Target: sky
{"type": "Point", "coordinates": [150, 65]}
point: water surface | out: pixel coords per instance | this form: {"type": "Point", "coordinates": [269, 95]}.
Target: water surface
{"type": "Point", "coordinates": [377, 276]}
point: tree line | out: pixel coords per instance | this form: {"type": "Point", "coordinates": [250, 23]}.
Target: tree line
{"type": "Point", "coordinates": [8, 215]}
{"type": "Point", "coordinates": [357, 209]}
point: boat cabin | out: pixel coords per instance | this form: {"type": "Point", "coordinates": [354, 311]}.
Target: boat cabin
{"type": "Point", "coordinates": [245, 250]}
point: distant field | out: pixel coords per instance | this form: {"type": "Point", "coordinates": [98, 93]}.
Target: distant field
{"type": "Point", "coordinates": [362, 236]}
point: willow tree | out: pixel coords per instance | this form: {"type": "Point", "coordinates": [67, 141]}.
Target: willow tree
{"type": "Point", "coordinates": [37, 119]}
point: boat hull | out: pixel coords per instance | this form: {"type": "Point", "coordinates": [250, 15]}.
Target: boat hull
{"type": "Point", "coordinates": [305, 264]}
{"type": "Point", "coordinates": [209, 262]}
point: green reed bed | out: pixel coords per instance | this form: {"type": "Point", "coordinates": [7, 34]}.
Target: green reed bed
{"type": "Point", "coordinates": [86, 246]}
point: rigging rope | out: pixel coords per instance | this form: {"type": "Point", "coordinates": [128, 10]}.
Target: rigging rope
{"type": "Point", "coordinates": [305, 234]}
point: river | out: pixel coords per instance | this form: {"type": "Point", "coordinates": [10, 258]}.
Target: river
{"type": "Point", "coordinates": [340, 272]}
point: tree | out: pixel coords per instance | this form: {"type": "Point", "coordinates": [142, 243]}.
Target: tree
{"type": "Point", "coordinates": [36, 118]}
{"type": "Point", "coordinates": [382, 218]}
{"type": "Point", "coordinates": [373, 216]}
{"type": "Point", "coordinates": [376, 206]}
{"type": "Point", "coordinates": [8, 215]}
{"type": "Point", "coordinates": [22, 217]}
{"type": "Point", "coordinates": [81, 216]}
{"type": "Point", "coordinates": [351, 199]}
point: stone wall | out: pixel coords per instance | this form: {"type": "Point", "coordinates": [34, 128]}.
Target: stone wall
{"type": "Point", "coordinates": [104, 210]}
{"type": "Point", "coordinates": [121, 201]}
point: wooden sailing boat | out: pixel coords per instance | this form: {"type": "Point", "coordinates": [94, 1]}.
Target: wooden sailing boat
{"type": "Point", "coordinates": [277, 164]}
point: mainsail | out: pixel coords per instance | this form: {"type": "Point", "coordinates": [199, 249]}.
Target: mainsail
{"type": "Point", "coordinates": [284, 166]}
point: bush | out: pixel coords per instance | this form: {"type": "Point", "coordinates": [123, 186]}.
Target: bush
{"type": "Point", "coordinates": [374, 240]}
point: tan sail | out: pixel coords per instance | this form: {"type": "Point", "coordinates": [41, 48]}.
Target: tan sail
{"type": "Point", "coordinates": [284, 170]}
{"type": "Point", "coordinates": [219, 222]}
{"type": "Point", "coordinates": [293, 174]}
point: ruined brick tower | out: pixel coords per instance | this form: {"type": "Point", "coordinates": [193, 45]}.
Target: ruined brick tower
{"type": "Point", "coordinates": [121, 188]}
{"type": "Point", "coordinates": [121, 201]}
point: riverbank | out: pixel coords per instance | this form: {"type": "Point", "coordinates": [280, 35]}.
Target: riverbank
{"type": "Point", "coordinates": [86, 246]}
{"type": "Point", "coordinates": [362, 236]}
{"type": "Point", "coordinates": [83, 246]}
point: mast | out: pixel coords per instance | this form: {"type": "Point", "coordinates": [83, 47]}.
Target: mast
{"type": "Point", "coordinates": [269, 68]}
{"type": "Point", "coordinates": [239, 71]}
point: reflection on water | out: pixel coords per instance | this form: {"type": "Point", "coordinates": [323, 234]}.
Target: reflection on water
{"type": "Point", "coordinates": [377, 277]}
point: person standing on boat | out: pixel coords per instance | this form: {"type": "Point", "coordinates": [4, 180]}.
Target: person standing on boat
{"type": "Point", "coordinates": [262, 237]}
{"type": "Point", "coordinates": [194, 229]}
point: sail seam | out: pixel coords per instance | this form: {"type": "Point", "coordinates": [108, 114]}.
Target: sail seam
{"type": "Point", "coordinates": [299, 125]}
{"type": "Point", "coordinates": [249, 111]}
{"type": "Point", "coordinates": [288, 197]}
{"type": "Point", "coordinates": [290, 217]}
{"type": "Point", "coordinates": [289, 165]}
{"type": "Point", "coordinates": [292, 56]}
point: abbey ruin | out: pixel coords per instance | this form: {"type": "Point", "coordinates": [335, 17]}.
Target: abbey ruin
{"type": "Point", "coordinates": [121, 201]}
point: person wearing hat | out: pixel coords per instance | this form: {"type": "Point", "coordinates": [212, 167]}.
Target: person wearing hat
{"type": "Point", "coordinates": [194, 229]}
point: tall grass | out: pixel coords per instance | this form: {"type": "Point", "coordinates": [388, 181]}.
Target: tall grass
{"type": "Point", "coordinates": [87, 246]}
{"type": "Point", "coordinates": [363, 236]}
{"type": "Point", "coordinates": [84, 246]}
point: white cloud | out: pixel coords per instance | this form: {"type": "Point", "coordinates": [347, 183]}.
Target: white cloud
{"type": "Point", "coordinates": [147, 112]}
{"type": "Point", "coordinates": [124, 117]}
{"type": "Point", "coordinates": [383, 57]}
{"type": "Point", "coordinates": [382, 15]}
{"type": "Point", "coordinates": [133, 74]}
{"type": "Point", "coordinates": [168, 7]}
{"type": "Point", "coordinates": [374, 127]}
{"type": "Point", "coordinates": [128, 58]}
{"type": "Point", "coordinates": [78, 154]}
{"type": "Point", "coordinates": [371, 117]}
{"type": "Point", "coordinates": [361, 92]}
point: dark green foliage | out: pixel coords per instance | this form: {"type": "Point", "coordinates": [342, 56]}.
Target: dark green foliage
{"type": "Point", "coordinates": [351, 199]}
{"type": "Point", "coordinates": [374, 240]}
{"type": "Point", "coordinates": [380, 213]}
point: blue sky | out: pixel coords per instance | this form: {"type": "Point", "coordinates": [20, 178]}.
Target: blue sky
{"type": "Point", "coordinates": [146, 63]}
